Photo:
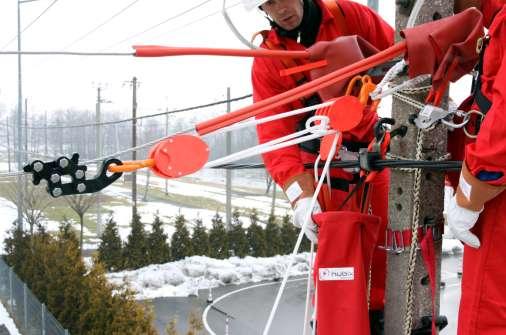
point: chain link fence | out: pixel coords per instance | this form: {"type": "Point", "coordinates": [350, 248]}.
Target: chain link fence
{"type": "Point", "coordinates": [31, 317]}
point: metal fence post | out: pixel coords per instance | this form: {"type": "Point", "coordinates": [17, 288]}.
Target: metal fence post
{"type": "Point", "coordinates": [227, 325]}
{"type": "Point", "coordinates": [43, 309]}
{"type": "Point", "coordinates": [25, 310]}
{"type": "Point", "coordinates": [10, 289]}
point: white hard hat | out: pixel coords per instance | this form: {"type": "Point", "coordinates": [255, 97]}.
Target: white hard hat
{"type": "Point", "coordinates": [252, 4]}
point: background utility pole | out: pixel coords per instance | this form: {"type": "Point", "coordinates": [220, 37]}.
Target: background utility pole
{"type": "Point", "coordinates": [8, 144]}
{"type": "Point", "coordinates": [26, 130]}
{"type": "Point", "coordinates": [373, 4]}
{"type": "Point", "coordinates": [19, 114]}
{"type": "Point", "coordinates": [402, 199]}
{"type": "Point", "coordinates": [134, 144]}
{"type": "Point", "coordinates": [26, 145]}
{"type": "Point", "coordinates": [228, 171]}
{"type": "Point", "coordinates": [45, 134]}
{"type": "Point", "coordinates": [98, 152]}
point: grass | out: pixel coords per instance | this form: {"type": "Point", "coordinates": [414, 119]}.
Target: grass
{"type": "Point", "coordinates": [59, 208]}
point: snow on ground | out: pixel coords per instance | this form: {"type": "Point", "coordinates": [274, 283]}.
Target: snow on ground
{"type": "Point", "coordinates": [451, 246]}
{"type": "Point", "coordinates": [186, 277]}
{"type": "Point", "coordinates": [6, 320]}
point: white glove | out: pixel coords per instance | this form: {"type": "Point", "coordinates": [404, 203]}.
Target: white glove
{"type": "Point", "coordinates": [299, 214]}
{"type": "Point", "coordinates": [460, 221]}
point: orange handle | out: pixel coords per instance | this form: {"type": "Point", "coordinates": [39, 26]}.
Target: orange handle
{"type": "Point", "coordinates": [303, 68]}
{"type": "Point", "coordinates": [162, 51]}
{"type": "Point", "coordinates": [298, 92]}
{"type": "Point", "coordinates": [130, 166]}
{"type": "Point", "coordinates": [351, 84]}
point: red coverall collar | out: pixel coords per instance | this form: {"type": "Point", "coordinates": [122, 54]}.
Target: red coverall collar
{"type": "Point", "coordinates": [489, 9]}
{"type": "Point", "coordinates": [327, 18]}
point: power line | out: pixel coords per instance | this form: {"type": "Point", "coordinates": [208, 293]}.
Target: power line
{"type": "Point", "coordinates": [31, 23]}
{"type": "Point", "coordinates": [159, 24]}
{"type": "Point", "coordinates": [186, 109]}
{"type": "Point", "coordinates": [121, 11]}
{"type": "Point", "coordinates": [200, 19]}
{"type": "Point", "coordinates": [67, 53]}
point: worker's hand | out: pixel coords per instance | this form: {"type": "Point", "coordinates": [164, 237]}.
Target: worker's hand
{"type": "Point", "coordinates": [460, 221]}
{"type": "Point", "coordinates": [299, 215]}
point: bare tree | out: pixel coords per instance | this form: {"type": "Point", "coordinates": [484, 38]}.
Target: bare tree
{"type": "Point", "coordinates": [80, 204]}
{"type": "Point", "coordinates": [35, 201]}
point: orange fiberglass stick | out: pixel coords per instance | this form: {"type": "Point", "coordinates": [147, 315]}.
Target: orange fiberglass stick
{"type": "Point", "coordinates": [298, 92]}
{"type": "Point", "coordinates": [171, 157]}
{"type": "Point", "coordinates": [163, 51]}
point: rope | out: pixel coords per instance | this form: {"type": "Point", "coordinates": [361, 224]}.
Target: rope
{"type": "Point", "coordinates": [414, 239]}
{"type": "Point", "coordinates": [308, 291]}
{"type": "Point", "coordinates": [301, 235]}
{"type": "Point", "coordinates": [233, 28]}
{"type": "Point", "coordinates": [409, 101]}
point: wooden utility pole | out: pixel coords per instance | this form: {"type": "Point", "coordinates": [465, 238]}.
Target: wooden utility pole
{"type": "Point", "coordinates": [410, 203]}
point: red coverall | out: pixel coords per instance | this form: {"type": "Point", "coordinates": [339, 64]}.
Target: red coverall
{"type": "Point", "coordinates": [483, 301]}
{"type": "Point", "coordinates": [285, 163]}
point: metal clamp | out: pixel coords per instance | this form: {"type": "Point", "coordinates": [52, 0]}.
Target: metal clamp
{"type": "Point", "coordinates": [429, 115]}
{"type": "Point", "coordinates": [53, 171]}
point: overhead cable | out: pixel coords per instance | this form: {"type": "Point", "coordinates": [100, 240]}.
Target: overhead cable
{"type": "Point", "coordinates": [67, 53]}
{"type": "Point", "coordinates": [30, 24]}
{"type": "Point", "coordinates": [158, 24]}
{"type": "Point", "coordinates": [200, 19]}
{"type": "Point", "coordinates": [186, 109]}
{"type": "Point", "coordinates": [82, 37]}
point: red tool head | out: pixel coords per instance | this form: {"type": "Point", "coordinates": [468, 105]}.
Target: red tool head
{"type": "Point", "coordinates": [179, 156]}
{"type": "Point", "coordinates": [344, 114]}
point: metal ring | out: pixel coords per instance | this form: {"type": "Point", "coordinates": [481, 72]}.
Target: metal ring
{"type": "Point", "coordinates": [479, 45]}
{"type": "Point", "coordinates": [471, 112]}
{"type": "Point", "coordinates": [454, 125]}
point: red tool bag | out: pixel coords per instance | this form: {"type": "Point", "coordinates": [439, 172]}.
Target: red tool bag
{"type": "Point", "coordinates": [346, 242]}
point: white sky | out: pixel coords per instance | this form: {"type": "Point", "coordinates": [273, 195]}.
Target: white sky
{"type": "Point", "coordinates": [61, 82]}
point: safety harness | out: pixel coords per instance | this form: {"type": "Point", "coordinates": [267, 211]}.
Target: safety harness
{"type": "Point", "coordinates": [483, 102]}
{"type": "Point", "coordinates": [301, 77]}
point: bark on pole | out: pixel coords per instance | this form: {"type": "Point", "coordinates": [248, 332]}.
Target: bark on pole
{"type": "Point", "coordinates": [402, 200]}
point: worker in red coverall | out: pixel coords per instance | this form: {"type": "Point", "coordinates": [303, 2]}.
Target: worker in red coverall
{"type": "Point", "coordinates": [297, 25]}
{"type": "Point", "coordinates": [476, 213]}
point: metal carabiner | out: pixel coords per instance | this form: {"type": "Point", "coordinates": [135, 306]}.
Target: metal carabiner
{"type": "Point", "coordinates": [471, 112]}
